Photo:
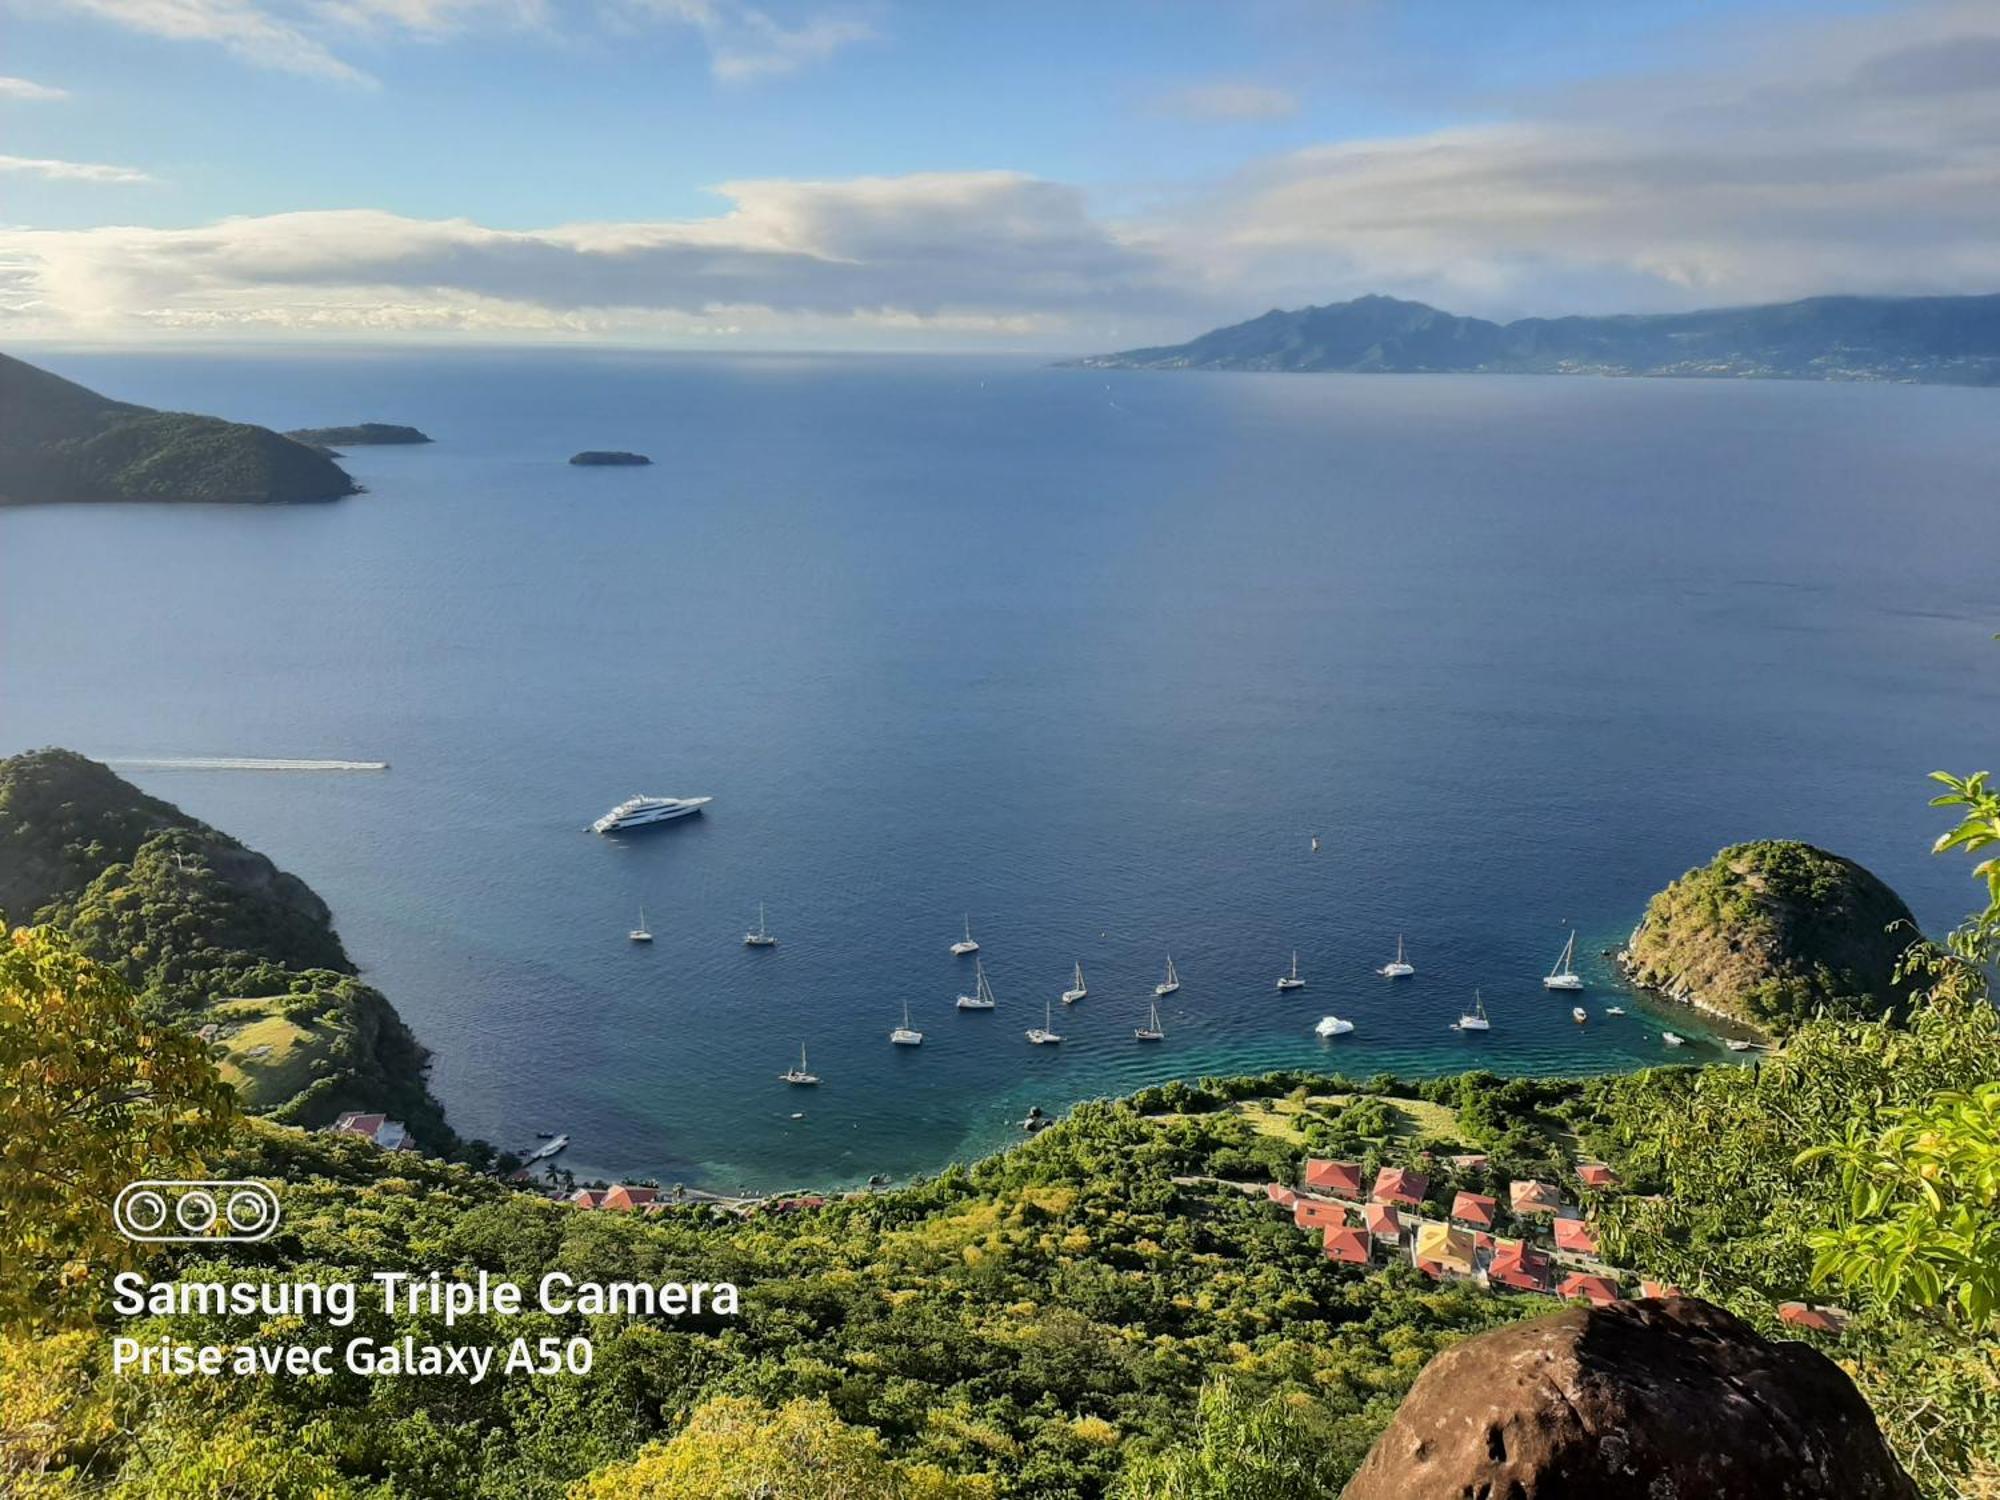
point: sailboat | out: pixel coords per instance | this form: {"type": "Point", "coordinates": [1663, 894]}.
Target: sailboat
{"type": "Point", "coordinates": [965, 944]}
{"type": "Point", "coordinates": [981, 997]}
{"type": "Point", "coordinates": [1332, 1026]}
{"type": "Point", "coordinates": [1045, 1033]}
{"type": "Point", "coordinates": [1152, 1031]}
{"type": "Point", "coordinates": [1564, 976]}
{"type": "Point", "coordinates": [760, 938]}
{"type": "Point", "coordinates": [1476, 1020]}
{"type": "Point", "coordinates": [798, 1075]}
{"type": "Point", "coordinates": [1400, 968]}
{"type": "Point", "coordinates": [1292, 981]}
{"type": "Point", "coordinates": [1077, 988]}
{"type": "Point", "coordinates": [1171, 983]}
{"type": "Point", "coordinates": [903, 1036]}
{"type": "Point", "coordinates": [640, 934]}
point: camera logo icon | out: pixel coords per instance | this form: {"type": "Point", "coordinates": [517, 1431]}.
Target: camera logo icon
{"type": "Point", "coordinates": [166, 1213]}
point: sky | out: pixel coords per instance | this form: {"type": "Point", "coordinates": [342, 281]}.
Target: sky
{"type": "Point", "coordinates": [957, 174]}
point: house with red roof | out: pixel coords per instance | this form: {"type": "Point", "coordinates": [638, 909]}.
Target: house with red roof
{"type": "Point", "coordinates": [1576, 1237]}
{"type": "Point", "coordinates": [1475, 1209]}
{"type": "Point", "coordinates": [1595, 1174]}
{"type": "Point", "coordinates": [1533, 1198]}
{"type": "Point", "coordinates": [1347, 1244]}
{"type": "Point", "coordinates": [623, 1197]}
{"type": "Point", "coordinates": [1382, 1222]}
{"type": "Point", "coordinates": [1659, 1289]}
{"type": "Point", "coordinates": [1827, 1320]}
{"type": "Point", "coordinates": [1317, 1213]}
{"type": "Point", "coordinates": [1598, 1291]}
{"type": "Point", "coordinates": [1342, 1179]}
{"type": "Point", "coordinates": [1519, 1265]}
{"type": "Point", "coordinates": [586, 1198]}
{"type": "Point", "coordinates": [390, 1135]}
{"type": "Point", "coordinates": [1401, 1186]}
{"type": "Point", "coordinates": [1279, 1194]}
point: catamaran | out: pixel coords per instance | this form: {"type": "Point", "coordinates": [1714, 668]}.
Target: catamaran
{"type": "Point", "coordinates": [1564, 976]}
{"type": "Point", "coordinates": [981, 997]}
{"type": "Point", "coordinates": [1077, 988]}
{"type": "Point", "coordinates": [1475, 1020]}
{"type": "Point", "coordinates": [965, 944]}
{"type": "Point", "coordinates": [799, 1075]}
{"type": "Point", "coordinates": [1400, 968]}
{"type": "Point", "coordinates": [1332, 1026]}
{"type": "Point", "coordinates": [760, 938]}
{"type": "Point", "coordinates": [1045, 1033]}
{"type": "Point", "coordinates": [637, 812]}
{"type": "Point", "coordinates": [1171, 983]}
{"type": "Point", "coordinates": [641, 933]}
{"type": "Point", "coordinates": [1292, 981]}
{"type": "Point", "coordinates": [903, 1036]}
{"type": "Point", "coordinates": [1152, 1031]}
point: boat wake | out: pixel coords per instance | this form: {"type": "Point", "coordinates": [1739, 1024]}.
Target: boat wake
{"type": "Point", "coordinates": [237, 763]}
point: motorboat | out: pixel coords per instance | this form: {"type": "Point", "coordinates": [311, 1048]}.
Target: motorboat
{"type": "Point", "coordinates": [642, 812]}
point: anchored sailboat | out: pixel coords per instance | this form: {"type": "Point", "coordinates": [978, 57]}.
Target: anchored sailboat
{"type": "Point", "coordinates": [761, 938]}
{"type": "Point", "coordinates": [965, 944]}
{"type": "Point", "coordinates": [981, 997]}
{"type": "Point", "coordinates": [1292, 981]}
{"type": "Point", "coordinates": [641, 933]}
{"type": "Point", "coordinates": [904, 1036]}
{"type": "Point", "coordinates": [1476, 1019]}
{"type": "Point", "coordinates": [1045, 1033]}
{"type": "Point", "coordinates": [1152, 1031]}
{"type": "Point", "coordinates": [1077, 988]}
{"type": "Point", "coordinates": [1171, 983]}
{"type": "Point", "coordinates": [799, 1075]}
{"type": "Point", "coordinates": [1400, 968]}
{"type": "Point", "coordinates": [1564, 976]}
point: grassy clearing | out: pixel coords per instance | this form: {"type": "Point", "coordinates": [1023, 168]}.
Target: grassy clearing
{"type": "Point", "coordinates": [268, 1057]}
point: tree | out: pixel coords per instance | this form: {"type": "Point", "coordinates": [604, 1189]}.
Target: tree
{"type": "Point", "coordinates": [92, 1096]}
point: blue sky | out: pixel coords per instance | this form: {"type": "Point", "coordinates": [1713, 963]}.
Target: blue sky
{"type": "Point", "coordinates": [1047, 175]}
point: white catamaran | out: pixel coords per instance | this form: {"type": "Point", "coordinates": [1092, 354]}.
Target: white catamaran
{"type": "Point", "coordinates": [1046, 1033]}
{"type": "Point", "coordinates": [1292, 981]}
{"type": "Point", "coordinates": [761, 938]}
{"type": "Point", "coordinates": [1077, 988]}
{"type": "Point", "coordinates": [1564, 976]}
{"type": "Point", "coordinates": [965, 944]}
{"type": "Point", "coordinates": [1171, 983]}
{"type": "Point", "coordinates": [1152, 1031]}
{"type": "Point", "coordinates": [981, 997]}
{"type": "Point", "coordinates": [1400, 968]}
{"type": "Point", "coordinates": [1475, 1020]}
{"type": "Point", "coordinates": [903, 1036]}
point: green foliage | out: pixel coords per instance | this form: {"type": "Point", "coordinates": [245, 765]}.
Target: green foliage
{"type": "Point", "coordinates": [1244, 1448]}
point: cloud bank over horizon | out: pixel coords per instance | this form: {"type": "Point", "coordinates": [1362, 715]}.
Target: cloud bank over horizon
{"type": "Point", "coordinates": [1854, 157]}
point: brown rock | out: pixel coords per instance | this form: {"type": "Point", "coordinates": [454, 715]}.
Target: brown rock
{"type": "Point", "coordinates": [1656, 1400]}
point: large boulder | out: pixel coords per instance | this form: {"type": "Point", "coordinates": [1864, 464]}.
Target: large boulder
{"type": "Point", "coordinates": [1656, 1400]}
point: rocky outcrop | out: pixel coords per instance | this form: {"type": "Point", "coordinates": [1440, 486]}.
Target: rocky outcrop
{"type": "Point", "coordinates": [1772, 933]}
{"type": "Point", "coordinates": [1656, 1400]}
{"type": "Point", "coordinates": [602, 458]}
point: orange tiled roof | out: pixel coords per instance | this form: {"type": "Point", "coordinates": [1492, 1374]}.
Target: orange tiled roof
{"type": "Point", "coordinates": [1598, 1291]}
{"type": "Point", "coordinates": [1595, 1174]}
{"type": "Point", "coordinates": [1382, 1221]}
{"type": "Point", "coordinates": [1400, 1185]}
{"type": "Point", "coordinates": [1534, 1198]}
{"type": "Point", "coordinates": [1576, 1236]}
{"type": "Point", "coordinates": [1341, 1178]}
{"type": "Point", "coordinates": [1346, 1244]}
{"type": "Point", "coordinates": [1474, 1208]}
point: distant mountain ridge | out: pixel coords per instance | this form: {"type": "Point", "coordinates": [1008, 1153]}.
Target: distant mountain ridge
{"type": "Point", "coordinates": [60, 441]}
{"type": "Point", "coordinates": [1936, 340]}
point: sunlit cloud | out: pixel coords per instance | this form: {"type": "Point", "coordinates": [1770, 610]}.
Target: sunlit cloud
{"type": "Point", "coordinates": [1228, 100]}
{"type": "Point", "coordinates": [71, 171]}
{"type": "Point", "coordinates": [28, 89]}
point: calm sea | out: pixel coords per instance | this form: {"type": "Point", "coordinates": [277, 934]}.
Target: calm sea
{"type": "Point", "coordinates": [1091, 657]}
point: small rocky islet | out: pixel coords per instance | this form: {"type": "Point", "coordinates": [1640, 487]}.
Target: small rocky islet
{"type": "Point", "coordinates": [608, 458]}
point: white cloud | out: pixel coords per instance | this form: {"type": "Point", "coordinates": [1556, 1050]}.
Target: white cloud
{"type": "Point", "coordinates": [27, 88]}
{"type": "Point", "coordinates": [70, 171]}
{"type": "Point", "coordinates": [242, 27]}
{"type": "Point", "coordinates": [747, 42]}
{"type": "Point", "coordinates": [1229, 100]}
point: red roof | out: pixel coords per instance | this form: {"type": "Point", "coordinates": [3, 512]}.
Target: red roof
{"type": "Point", "coordinates": [1346, 1244]}
{"type": "Point", "coordinates": [1317, 1213]}
{"type": "Point", "coordinates": [1658, 1289]}
{"type": "Point", "coordinates": [585, 1198]}
{"type": "Point", "coordinates": [1279, 1194]}
{"type": "Point", "coordinates": [1594, 1174]}
{"type": "Point", "coordinates": [1402, 1186]}
{"type": "Point", "coordinates": [1520, 1267]}
{"type": "Point", "coordinates": [1382, 1221]}
{"type": "Point", "coordinates": [1819, 1319]}
{"type": "Point", "coordinates": [1474, 1208]}
{"type": "Point", "coordinates": [627, 1197]}
{"type": "Point", "coordinates": [1534, 1198]}
{"type": "Point", "coordinates": [1341, 1178]}
{"type": "Point", "coordinates": [1576, 1236]}
{"type": "Point", "coordinates": [355, 1123]}
{"type": "Point", "coordinates": [1598, 1291]}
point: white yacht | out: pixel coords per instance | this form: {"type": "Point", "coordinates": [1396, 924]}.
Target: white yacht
{"type": "Point", "coordinates": [1152, 1031]}
{"type": "Point", "coordinates": [1077, 988]}
{"type": "Point", "coordinates": [1400, 968]}
{"type": "Point", "coordinates": [1332, 1026]}
{"type": "Point", "coordinates": [965, 944]}
{"type": "Point", "coordinates": [1171, 983]}
{"type": "Point", "coordinates": [1475, 1020]}
{"type": "Point", "coordinates": [1736, 1044]}
{"type": "Point", "coordinates": [799, 1075]}
{"type": "Point", "coordinates": [981, 997]}
{"type": "Point", "coordinates": [1614, 1010]}
{"type": "Point", "coordinates": [1046, 1033]}
{"type": "Point", "coordinates": [903, 1036]}
{"type": "Point", "coordinates": [1672, 1039]}
{"type": "Point", "coordinates": [1292, 981]}
{"type": "Point", "coordinates": [638, 812]}
{"type": "Point", "coordinates": [1578, 1015]}
{"type": "Point", "coordinates": [642, 933]}
{"type": "Point", "coordinates": [761, 938]}
{"type": "Point", "coordinates": [1564, 976]}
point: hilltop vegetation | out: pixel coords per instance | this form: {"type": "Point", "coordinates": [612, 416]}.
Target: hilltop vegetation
{"type": "Point", "coordinates": [208, 931]}
{"type": "Point", "coordinates": [360, 435]}
{"type": "Point", "coordinates": [1950, 340]}
{"type": "Point", "coordinates": [62, 442]}
{"type": "Point", "coordinates": [1772, 933]}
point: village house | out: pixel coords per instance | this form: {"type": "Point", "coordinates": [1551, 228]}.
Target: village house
{"type": "Point", "coordinates": [1401, 1186]}
{"type": "Point", "coordinates": [1442, 1250]}
{"type": "Point", "coordinates": [390, 1135]}
{"type": "Point", "coordinates": [1474, 1209]}
{"type": "Point", "coordinates": [1341, 1179]}
{"type": "Point", "coordinates": [1347, 1244]}
{"type": "Point", "coordinates": [1527, 1198]}
{"type": "Point", "coordinates": [1598, 1291]}
{"type": "Point", "coordinates": [1518, 1265]}
{"type": "Point", "coordinates": [1575, 1237]}
{"type": "Point", "coordinates": [1317, 1213]}
{"type": "Point", "coordinates": [1595, 1174]}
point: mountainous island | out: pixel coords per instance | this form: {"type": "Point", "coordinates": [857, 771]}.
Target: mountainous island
{"type": "Point", "coordinates": [62, 442]}
{"type": "Point", "coordinates": [1933, 340]}
{"type": "Point", "coordinates": [360, 435]}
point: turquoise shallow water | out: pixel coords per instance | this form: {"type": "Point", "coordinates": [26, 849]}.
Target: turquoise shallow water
{"type": "Point", "coordinates": [1091, 657]}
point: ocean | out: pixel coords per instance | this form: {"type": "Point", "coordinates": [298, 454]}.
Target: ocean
{"type": "Point", "coordinates": [1089, 656]}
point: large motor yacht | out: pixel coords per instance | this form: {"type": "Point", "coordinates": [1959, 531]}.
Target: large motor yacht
{"type": "Point", "coordinates": [637, 812]}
